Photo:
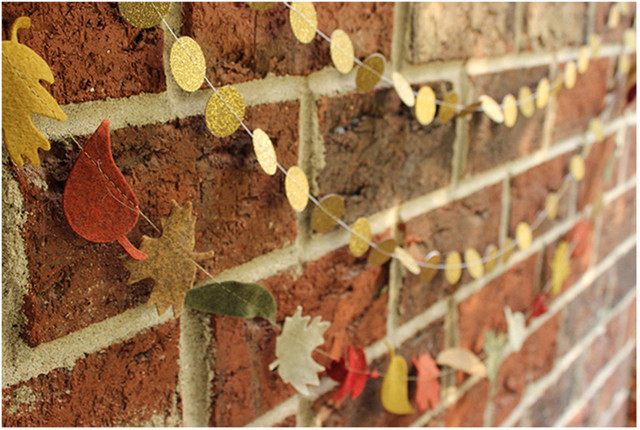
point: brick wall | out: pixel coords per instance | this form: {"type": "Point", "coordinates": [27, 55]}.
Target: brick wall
{"type": "Point", "coordinates": [83, 348]}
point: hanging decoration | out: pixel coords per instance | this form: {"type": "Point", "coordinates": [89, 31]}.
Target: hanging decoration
{"type": "Point", "coordinates": [581, 237]}
{"type": "Point", "coordinates": [143, 14]}
{"type": "Point", "coordinates": [187, 64]}
{"type": "Point", "coordinates": [493, 346]}
{"type": "Point", "coordinates": [369, 73]}
{"type": "Point", "coordinates": [324, 216]}
{"type": "Point", "coordinates": [304, 21]}
{"type": "Point", "coordinates": [394, 393]}
{"type": "Point", "coordinates": [293, 351]}
{"type": "Point", "coordinates": [356, 377]}
{"type": "Point", "coordinates": [516, 328]}
{"type": "Point", "coordinates": [341, 51]}
{"type": "Point", "coordinates": [98, 203]}
{"type": "Point", "coordinates": [463, 360]}
{"type": "Point", "coordinates": [427, 384]}
{"type": "Point", "coordinates": [224, 111]}
{"type": "Point", "coordinates": [22, 95]}
{"type": "Point", "coordinates": [539, 306]}
{"type": "Point", "coordinates": [560, 267]}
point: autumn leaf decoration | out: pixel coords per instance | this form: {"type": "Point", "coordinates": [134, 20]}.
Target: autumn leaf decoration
{"type": "Point", "coordinates": [98, 203]}
{"type": "Point", "coordinates": [427, 385]}
{"type": "Point", "coordinates": [356, 375]}
{"type": "Point", "coordinates": [22, 95]}
{"type": "Point", "coordinates": [170, 260]}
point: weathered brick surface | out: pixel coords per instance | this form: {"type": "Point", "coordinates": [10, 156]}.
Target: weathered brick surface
{"type": "Point", "coordinates": [74, 282]}
{"type": "Point", "coordinates": [470, 222]}
{"type": "Point", "coordinates": [91, 50]}
{"type": "Point", "coordinates": [126, 384]}
{"type": "Point", "coordinates": [613, 35]}
{"type": "Point", "coordinates": [256, 43]}
{"type": "Point", "coordinates": [469, 410]}
{"type": "Point", "coordinates": [620, 222]}
{"type": "Point", "coordinates": [377, 154]}
{"type": "Point", "coordinates": [625, 270]}
{"type": "Point", "coordinates": [575, 107]}
{"type": "Point", "coordinates": [631, 155]}
{"type": "Point", "coordinates": [436, 30]}
{"type": "Point", "coordinates": [545, 25]}
{"type": "Point", "coordinates": [555, 400]}
{"type": "Point", "coordinates": [484, 310]}
{"type": "Point", "coordinates": [597, 179]}
{"type": "Point", "coordinates": [492, 144]}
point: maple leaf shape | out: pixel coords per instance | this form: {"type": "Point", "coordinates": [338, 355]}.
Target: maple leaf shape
{"type": "Point", "coordinates": [170, 260]}
{"type": "Point", "coordinates": [560, 267]}
{"type": "Point", "coordinates": [22, 95]}
{"type": "Point", "coordinates": [493, 345]}
{"type": "Point", "coordinates": [539, 307]}
{"type": "Point", "coordinates": [427, 385]}
{"type": "Point", "coordinates": [356, 377]}
{"type": "Point", "coordinates": [293, 351]}
{"type": "Point", "coordinates": [337, 370]}
{"type": "Point", "coordinates": [516, 328]}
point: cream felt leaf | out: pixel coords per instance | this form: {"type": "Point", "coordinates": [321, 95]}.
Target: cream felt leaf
{"type": "Point", "coordinates": [293, 350]}
{"type": "Point", "coordinates": [22, 95]}
{"type": "Point", "coordinates": [462, 359]}
{"type": "Point", "coordinates": [516, 328]}
{"type": "Point", "coordinates": [493, 345]}
{"type": "Point", "coordinates": [170, 260]}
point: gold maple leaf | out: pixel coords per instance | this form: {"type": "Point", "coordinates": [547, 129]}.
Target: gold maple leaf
{"type": "Point", "coordinates": [22, 95]}
{"type": "Point", "coordinates": [170, 260]}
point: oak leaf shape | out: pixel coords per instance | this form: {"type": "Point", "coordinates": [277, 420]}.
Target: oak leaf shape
{"type": "Point", "coordinates": [22, 95]}
{"type": "Point", "coordinates": [293, 351]}
{"type": "Point", "coordinates": [170, 260]}
{"type": "Point", "coordinates": [494, 343]}
{"type": "Point", "coordinates": [427, 385]}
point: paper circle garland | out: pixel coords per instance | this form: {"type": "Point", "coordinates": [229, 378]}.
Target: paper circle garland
{"type": "Point", "coordinates": [261, 5]}
{"type": "Point", "coordinates": [510, 107]}
{"type": "Point", "coordinates": [428, 273]}
{"type": "Point", "coordinates": [303, 20]}
{"type": "Point", "coordinates": [220, 119]}
{"type": "Point", "coordinates": [583, 59]}
{"type": "Point", "coordinates": [543, 93]}
{"type": "Point", "coordinates": [527, 106]}
{"type": "Point", "coordinates": [523, 235]}
{"type": "Point", "coordinates": [425, 105]}
{"type": "Point", "coordinates": [296, 188]}
{"type": "Point", "coordinates": [570, 75]}
{"type": "Point", "coordinates": [491, 108]}
{"type": "Point", "coordinates": [143, 14]}
{"type": "Point", "coordinates": [407, 261]}
{"type": "Point", "coordinates": [594, 44]}
{"type": "Point", "coordinates": [448, 108]}
{"type": "Point", "coordinates": [474, 263]}
{"type": "Point", "coordinates": [358, 245]}
{"type": "Point", "coordinates": [341, 51]}
{"type": "Point", "coordinates": [382, 252]}
{"type": "Point", "coordinates": [491, 258]}
{"type": "Point", "coordinates": [402, 87]}
{"type": "Point", "coordinates": [265, 153]}
{"type": "Point", "coordinates": [184, 53]}
{"type": "Point", "coordinates": [369, 74]}
{"type": "Point", "coordinates": [508, 250]}
{"type": "Point", "coordinates": [325, 220]}
{"type": "Point", "coordinates": [453, 272]}
{"type": "Point", "coordinates": [576, 167]}
{"type": "Point", "coordinates": [551, 206]}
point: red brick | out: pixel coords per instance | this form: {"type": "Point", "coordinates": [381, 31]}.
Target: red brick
{"type": "Point", "coordinates": [125, 384]}
{"type": "Point", "coordinates": [529, 192]}
{"type": "Point", "coordinates": [619, 222]}
{"type": "Point", "coordinates": [470, 222]}
{"type": "Point", "coordinates": [534, 360]}
{"type": "Point", "coordinates": [367, 410]}
{"type": "Point", "coordinates": [600, 353]}
{"type": "Point", "coordinates": [631, 155]}
{"type": "Point", "coordinates": [492, 144]}
{"type": "Point", "coordinates": [290, 421]}
{"type": "Point", "coordinates": [625, 270]}
{"type": "Point", "coordinates": [372, 137]}
{"type": "Point", "coordinates": [468, 411]}
{"type": "Point", "coordinates": [437, 36]}
{"type": "Point", "coordinates": [91, 50]}
{"type": "Point", "coordinates": [585, 418]}
{"type": "Point", "coordinates": [256, 43]}
{"type": "Point", "coordinates": [631, 321]}
{"type": "Point", "coordinates": [484, 310]}
{"type": "Point", "coordinates": [577, 106]}
{"type": "Point", "coordinates": [555, 400]}
{"type": "Point", "coordinates": [545, 25]}
{"type": "Point", "coordinates": [594, 181]}
{"type": "Point", "coordinates": [618, 380]}
{"type": "Point", "coordinates": [612, 35]}
{"type": "Point", "coordinates": [74, 283]}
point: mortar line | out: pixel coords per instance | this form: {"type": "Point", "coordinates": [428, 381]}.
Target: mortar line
{"type": "Point", "coordinates": [619, 401]}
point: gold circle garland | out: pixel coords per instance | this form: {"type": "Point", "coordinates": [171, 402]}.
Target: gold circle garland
{"type": "Point", "coordinates": [341, 50]}
{"type": "Point", "coordinates": [143, 14]}
{"type": "Point", "coordinates": [187, 64]}
{"type": "Point", "coordinates": [221, 119]}
{"type": "Point", "coordinates": [369, 74]}
{"type": "Point", "coordinates": [303, 20]}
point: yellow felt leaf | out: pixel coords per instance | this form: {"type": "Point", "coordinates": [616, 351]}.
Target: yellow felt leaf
{"type": "Point", "coordinates": [462, 359]}
{"type": "Point", "coordinates": [394, 393]}
{"type": "Point", "coordinates": [560, 267]}
{"type": "Point", "coordinates": [169, 260]}
{"type": "Point", "coordinates": [22, 95]}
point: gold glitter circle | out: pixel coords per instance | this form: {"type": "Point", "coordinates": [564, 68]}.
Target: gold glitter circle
{"type": "Point", "coordinates": [447, 111]}
{"type": "Point", "coordinates": [491, 108]}
{"type": "Point", "coordinates": [594, 43]}
{"type": "Point", "coordinates": [576, 167]}
{"type": "Point", "coordinates": [542, 92]}
{"type": "Point", "coordinates": [556, 86]}
{"type": "Point", "coordinates": [303, 28]}
{"type": "Point", "coordinates": [341, 50]}
{"type": "Point", "coordinates": [369, 74]}
{"type": "Point", "coordinates": [296, 188]}
{"type": "Point", "coordinates": [583, 59]}
{"type": "Point", "coordinates": [510, 107]}
{"type": "Point", "coordinates": [428, 273]}
{"type": "Point", "coordinates": [265, 153]}
{"type": "Point", "coordinates": [184, 52]}
{"type": "Point", "coordinates": [453, 271]}
{"type": "Point", "coordinates": [407, 261]}
{"type": "Point", "coordinates": [261, 5]}
{"type": "Point", "coordinates": [474, 263]}
{"type": "Point", "coordinates": [221, 121]}
{"type": "Point", "coordinates": [320, 220]}
{"type": "Point", "coordinates": [570, 74]}
{"type": "Point", "coordinates": [629, 39]}
{"type": "Point", "coordinates": [491, 257]}
{"type": "Point", "coordinates": [508, 250]}
{"type": "Point", "coordinates": [425, 105]}
{"type": "Point", "coordinates": [624, 64]}
{"type": "Point", "coordinates": [527, 106]}
{"type": "Point", "coordinates": [523, 235]}
{"type": "Point", "coordinates": [357, 245]}
{"type": "Point", "coordinates": [143, 14]}
{"type": "Point", "coordinates": [614, 16]}
{"type": "Point", "coordinates": [403, 89]}
{"type": "Point", "coordinates": [381, 253]}
{"type": "Point", "coordinates": [596, 127]}
{"type": "Point", "coordinates": [551, 206]}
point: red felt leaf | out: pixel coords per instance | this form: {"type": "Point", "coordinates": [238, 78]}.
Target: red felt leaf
{"type": "Point", "coordinates": [98, 203]}
{"type": "Point", "coordinates": [337, 370]}
{"type": "Point", "coordinates": [427, 386]}
{"type": "Point", "coordinates": [581, 236]}
{"type": "Point", "coordinates": [539, 307]}
{"type": "Point", "coordinates": [357, 375]}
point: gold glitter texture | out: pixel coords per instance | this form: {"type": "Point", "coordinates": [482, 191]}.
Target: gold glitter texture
{"type": "Point", "coordinates": [576, 167]}
{"type": "Point", "coordinates": [551, 206]}
{"type": "Point", "coordinates": [491, 108]}
{"type": "Point", "coordinates": [474, 263]}
{"type": "Point", "coordinates": [510, 108]}
{"type": "Point", "coordinates": [303, 19]}
{"type": "Point", "coordinates": [403, 89]}
{"type": "Point", "coordinates": [543, 93]}
{"type": "Point", "coordinates": [357, 245]}
{"type": "Point", "coordinates": [296, 188]}
{"type": "Point", "coordinates": [369, 74]}
{"type": "Point", "coordinates": [570, 75]}
{"type": "Point", "coordinates": [428, 273]}
{"type": "Point", "coordinates": [341, 50]}
{"type": "Point", "coordinates": [265, 154]}
{"type": "Point", "coordinates": [583, 59]}
{"type": "Point", "coordinates": [220, 119]}
{"type": "Point", "coordinates": [523, 235]}
{"type": "Point", "coordinates": [425, 105]}
{"type": "Point", "coordinates": [382, 252]}
{"type": "Point", "coordinates": [144, 14]}
{"type": "Point", "coordinates": [453, 272]}
{"type": "Point", "coordinates": [320, 220]}
{"type": "Point", "coordinates": [407, 261]}
{"type": "Point", "coordinates": [184, 53]}
{"type": "Point", "coordinates": [491, 258]}
{"type": "Point", "coordinates": [448, 108]}
{"type": "Point", "coordinates": [527, 107]}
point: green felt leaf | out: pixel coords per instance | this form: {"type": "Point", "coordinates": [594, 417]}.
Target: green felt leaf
{"type": "Point", "coordinates": [233, 298]}
{"type": "Point", "coordinates": [493, 345]}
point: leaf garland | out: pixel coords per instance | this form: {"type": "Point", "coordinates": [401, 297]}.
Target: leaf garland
{"type": "Point", "coordinates": [427, 385]}
{"type": "Point", "coordinates": [356, 376]}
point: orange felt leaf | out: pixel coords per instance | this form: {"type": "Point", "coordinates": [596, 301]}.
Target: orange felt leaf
{"type": "Point", "coordinates": [98, 203]}
{"type": "Point", "coordinates": [357, 375]}
{"type": "Point", "coordinates": [427, 386]}
{"type": "Point", "coordinates": [581, 236]}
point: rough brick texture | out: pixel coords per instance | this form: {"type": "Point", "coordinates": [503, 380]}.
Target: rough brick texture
{"type": "Point", "coordinates": [546, 29]}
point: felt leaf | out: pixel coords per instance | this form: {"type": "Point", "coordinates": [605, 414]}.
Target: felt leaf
{"type": "Point", "coordinates": [463, 360]}
{"type": "Point", "coordinates": [581, 237]}
{"type": "Point", "coordinates": [170, 259]}
{"type": "Point", "coordinates": [539, 307]}
{"type": "Point", "coordinates": [516, 328]}
{"type": "Point", "coordinates": [357, 375]}
{"type": "Point", "coordinates": [98, 203]}
{"type": "Point", "coordinates": [394, 393]}
{"type": "Point", "coordinates": [560, 267]}
{"type": "Point", "coordinates": [493, 346]}
{"type": "Point", "coordinates": [337, 370]}
{"type": "Point", "coordinates": [236, 299]}
{"type": "Point", "coordinates": [427, 385]}
{"type": "Point", "coordinates": [293, 351]}
{"type": "Point", "coordinates": [22, 95]}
